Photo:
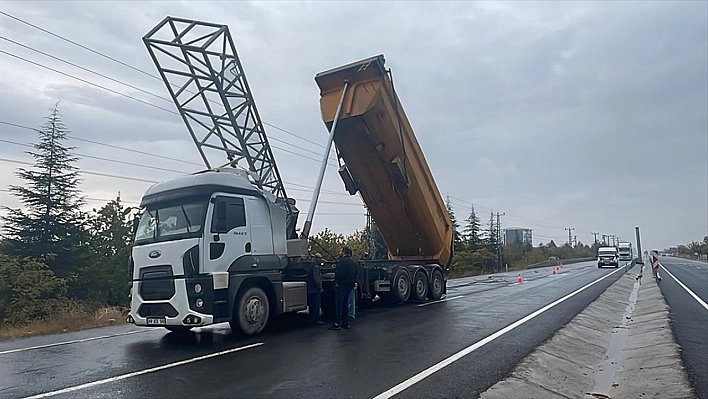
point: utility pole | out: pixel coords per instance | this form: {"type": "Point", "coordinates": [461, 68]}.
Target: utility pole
{"type": "Point", "coordinates": [604, 239]}
{"type": "Point", "coordinates": [370, 243]}
{"type": "Point", "coordinates": [595, 235]}
{"type": "Point", "coordinates": [575, 241]}
{"type": "Point", "coordinates": [499, 240]}
{"type": "Point", "coordinates": [612, 236]}
{"type": "Point", "coordinates": [570, 235]}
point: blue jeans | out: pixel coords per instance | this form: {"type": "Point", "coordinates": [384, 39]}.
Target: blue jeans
{"type": "Point", "coordinates": [351, 304]}
{"type": "Point", "coordinates": [341, 305]}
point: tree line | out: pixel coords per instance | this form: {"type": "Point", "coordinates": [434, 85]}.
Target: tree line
{"type": "Point", "coordinates": [693, 250]}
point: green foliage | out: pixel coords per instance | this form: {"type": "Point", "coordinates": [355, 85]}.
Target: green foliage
{"type": "Point", "coordinates": [29, 290]}
{"type": "Point", "coordinates": [457, 237]}
{"type": "Point", "coordinates": [50, 227]}
{"type": "Point", "coordinates": [492, 234]}
{"type": "Point", "coordinates": [105, 280]}
{"type": "Point", "coordinates": [472, 235]}
{"type": "Point", "coordinates": [471, 263]}
{"type": "Point", "coordinates": [327, 243]}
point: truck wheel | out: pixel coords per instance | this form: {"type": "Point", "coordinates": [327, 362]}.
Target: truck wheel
{"type": "Point", "coordinates": [436, 285]}
{"type": "Point", "coordinates": [251, 312]}
{"type": "Point", "coordinates": [420, 286]}
{"type": "Point", "coordinates": [401, 285]}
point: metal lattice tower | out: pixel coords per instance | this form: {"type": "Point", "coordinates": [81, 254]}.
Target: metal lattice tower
{"type": "Point", "coordinates": [200, 67]}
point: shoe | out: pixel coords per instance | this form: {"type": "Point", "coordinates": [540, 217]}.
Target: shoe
{"type": "Point", "coordinates": [335, 326]}
{"type": "Point", "coordinates": [346, 326]}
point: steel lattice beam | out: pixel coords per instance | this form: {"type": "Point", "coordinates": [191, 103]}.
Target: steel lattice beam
{"type": "Point", "coordinates": [200, 67]}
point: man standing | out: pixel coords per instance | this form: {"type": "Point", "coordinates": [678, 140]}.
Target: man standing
{"type": "Point", "coordinates": [314, 289]}
{"type": "Point", "coordinates": [344, 280]}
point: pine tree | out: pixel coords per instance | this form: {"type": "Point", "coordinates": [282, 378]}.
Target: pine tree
{"type": "Point", "coordinates": [492, 237]}
{"type": "Point", "coordinates": [471, 234]}
{"type": "Point", "coordinates": [50, 225]}
{"type": "Point", "coordinates": [457, 237]}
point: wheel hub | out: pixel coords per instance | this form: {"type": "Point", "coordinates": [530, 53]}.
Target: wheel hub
{"type": "Point", "coordinates": [254, 310]}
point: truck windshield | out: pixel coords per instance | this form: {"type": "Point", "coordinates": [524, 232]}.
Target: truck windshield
{"type": "Point", "coordinates": [607, 252]}
{"type": "Point", "coordinates": [170, 222]}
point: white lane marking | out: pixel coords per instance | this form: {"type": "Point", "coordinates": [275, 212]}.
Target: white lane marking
{"type": "Point", "coordinates": [686, 288]}
{"type": "Point", "coordinates": [439, 301]}
{"type": "Point", "coordinates": [76, 341]}
{"type": "Point", "coordinates": [459, 355]}
{"type": "Point", "coordinates": [141, 372]}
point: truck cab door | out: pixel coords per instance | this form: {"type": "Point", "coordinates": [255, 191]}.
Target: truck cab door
{"type": "Point", "coordinates": [229, 235]}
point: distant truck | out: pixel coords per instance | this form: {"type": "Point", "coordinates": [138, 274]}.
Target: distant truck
{"type": "Point", "coordinates": [625, 251]}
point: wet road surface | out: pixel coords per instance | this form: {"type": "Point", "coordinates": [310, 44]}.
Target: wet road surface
{"type": "Point", "coordinates": [689, 314]}
{"type": "Point", "coordinates": [385, 348]}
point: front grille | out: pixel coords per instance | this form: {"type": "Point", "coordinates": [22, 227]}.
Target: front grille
{"type": "Point", "coordinates": [157, 309]}
{"type": "Point", "coordinates": [156, 283]}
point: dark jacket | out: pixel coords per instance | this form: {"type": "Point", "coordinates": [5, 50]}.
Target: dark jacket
{"type": "Point", "coordinates": [345, 274]}
{"type": "Point", "coordinates": [314, 278]}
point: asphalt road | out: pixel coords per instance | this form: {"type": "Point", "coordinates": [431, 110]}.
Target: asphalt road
{"type": "Point", "coordinates": [457, 347]}
{"type": "Point", "coordinates": [689, 314]}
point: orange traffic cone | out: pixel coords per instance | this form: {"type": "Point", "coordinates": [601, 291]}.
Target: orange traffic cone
{"type": "Point", "coordinates": [519, 280]}
{"type": "Point", "coordinates": [554, 271]}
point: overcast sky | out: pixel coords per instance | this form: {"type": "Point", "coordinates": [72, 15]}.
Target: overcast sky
{"type": "Point", "coordinates": [592, 116]}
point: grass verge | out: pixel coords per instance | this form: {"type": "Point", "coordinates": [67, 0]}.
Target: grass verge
{"type": "Point", "coordinates": [66, 321]}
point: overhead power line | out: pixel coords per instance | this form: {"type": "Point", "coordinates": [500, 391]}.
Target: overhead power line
{"type": "Point", "coordinates": [89, 172]}
{"type": "Point", "coordinates": [108, 145]}
{"type": "Point", "coordinates": [87, 82]}
{"type": "Point", "coordinates": [151, 75]}
{"type": "Point", "coordinates": [150, 93]}
{"type": "Point", "coordinates": [90, 198]}
{"type": "Point", "coordinates": [104, 159]}
{"type": "Point", "coordinates": [79, 45]}
{"type": "Point", "coordinates": [85, 69]}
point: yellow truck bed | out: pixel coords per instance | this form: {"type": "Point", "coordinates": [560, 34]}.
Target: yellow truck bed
{"type": "Point", "coordinates": [385, 162]}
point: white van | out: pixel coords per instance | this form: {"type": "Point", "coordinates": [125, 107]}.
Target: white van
{"type": "Point", "coordinates": [607, 256]}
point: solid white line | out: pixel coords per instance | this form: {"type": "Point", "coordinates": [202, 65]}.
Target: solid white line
{"type": "Point", "coordinates": [141, 372]}
{"type": "Point", "coordinates": [440, 301]}
{"type": "Point", "coordinates": [686, 288]}
{"type": "Point", "coordinates": [76, 341]}
{"type": "Point", "coordinates": [459, 355]}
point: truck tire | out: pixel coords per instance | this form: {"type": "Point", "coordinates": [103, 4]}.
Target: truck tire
{"type": "Point", "coordinates": [251, 312]}
{"type": "Point", "coordinates": [401, 286]}
{"type": "Point", "coordinates": [420, 286]}
{"type": "Point", "coordinates": [437, 285]}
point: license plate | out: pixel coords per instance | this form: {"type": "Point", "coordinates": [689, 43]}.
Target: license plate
{"type": "Point", "coordinates": [156, 321]}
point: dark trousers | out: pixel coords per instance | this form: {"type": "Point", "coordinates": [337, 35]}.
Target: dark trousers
{"type": "Point", "coordinates": [314, 302]}
{"type": "Point", "coordinates": [341, 294]}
